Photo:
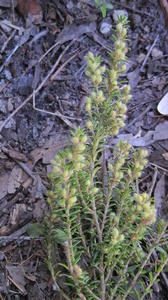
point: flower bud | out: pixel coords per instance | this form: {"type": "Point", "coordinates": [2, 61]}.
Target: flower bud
{"type": "Point", "coordinates": [77, 166]}
{"type": "Point", "coordinates": [81, 147]}
{"type": "Point", "coordinates": [89, 125]}
{"type": "Point", "coordinates": [103, 69]}
{"type": "Point", "coordinates": [119, 28]}
{"type": "Point", "coordinates": [77, 271]}
{"type": "Point", "coordinates": [64, 193]}
{"type": "Point", "coordinates": [95, 190]}
{"type": "Point", "coordinates": [66, 175]}
{"type": "Point", "coordinates": [90, 55]}
{"type": "Point", "coordinates": [99, 79]}
{"type": "Point", "coordinates": [123, 68]}
{"type": "Point", "coordinates": [88, 107]}
{"type": "Point", "coordinates": [115, 233]}
{"type": "Point", "coordinates": [84, 139]}
{"type": "Point", "coordinates": [70, 155]}
{"type": "Point", "coordinates": [93, 95]}
{"type": "Point", "coordinates": [72, 201]}
{"type": "Point", "coordinates": [75, 140]}
{"type": "Point", "coordinates": [124, 32]}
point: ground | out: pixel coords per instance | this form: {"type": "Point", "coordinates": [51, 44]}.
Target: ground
{"type": "Point", "coordinates": [38, 111]}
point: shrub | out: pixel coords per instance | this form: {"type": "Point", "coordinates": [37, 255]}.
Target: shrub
{"type": "Point", "coordinates": [97, 223]}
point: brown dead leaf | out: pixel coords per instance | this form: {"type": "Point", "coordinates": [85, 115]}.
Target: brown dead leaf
{"type": "Point", "coordinates": [38, 211]}
{"type": "Point", "coordinates": [14, 154]}
{"type": "Point", "coordinates": [15, 179]}
{"type": "Point", "coordinates": [50, 149]}
{"type": "Point", "coordinates": [4, 185]}
{"type": "Point", "coordinates": [18, 211]}
{"type": "Point", "coordinates": [17, 277]}
{"type": "Point", "coordinates": [164, 6]}
{"type": "Point", "coordinates": [159, 196]}
{"type": "Point", "coordinates": [165, 155]}
{"type": "Point", "coordinates": [30, 9]}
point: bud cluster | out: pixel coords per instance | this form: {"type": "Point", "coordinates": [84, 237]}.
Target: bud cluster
{"type": "Point", "coordinates": [140, 162]}
{"type": "Point", "coordinates": [145, 208]}
{"type": "Point", "coordinates": [125, 93]}
{"type": "Point", "coordinates": [120, 155]}
{"type": "Point", "coordinates": [94, 69]}
{"type": "Point", "coordinates": [79, 145]}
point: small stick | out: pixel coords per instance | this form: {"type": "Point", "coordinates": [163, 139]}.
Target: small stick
{"type": "Point", "coordinates": [13, 11]}
{"type": "Point", "coordinates": [139, 116]}
{"type": "Point", "coordinates": [8, 40]}
{"type": "Point", "coordinates": [153, 181]}
{"type": "Point", "coordinates": [149, 52]}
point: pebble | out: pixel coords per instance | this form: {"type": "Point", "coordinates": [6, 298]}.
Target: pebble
{"type": "Point", "coordinates": [106, 26]}
{"type": "Point", "coordinates": [156, 53]}
{"type": "Point", "coordinates": [119, 12]}
{"type": "Point", "coordinates": [10, 105]}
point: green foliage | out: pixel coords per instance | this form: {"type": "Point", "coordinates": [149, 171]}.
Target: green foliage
{"type": "Point", "coordinates": [96, 218]}
{"type": "Point", "coordinates": [103, 7]}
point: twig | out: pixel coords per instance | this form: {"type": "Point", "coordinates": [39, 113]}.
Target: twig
{"type": "Point", "coordinates": [139, 116]}
{"type": "Point", "coordinates": [149, 52]}
{"type": "Point", "coordinates": [13, 10]}
{"type": "Point", "coordinates": [38, 88]}
{"type": "Point", "coordinates": [157, 166]}
{"type": "Point", "coordinates": [8, 40]}
{"type": "Point", "coordinates": [153, 182]}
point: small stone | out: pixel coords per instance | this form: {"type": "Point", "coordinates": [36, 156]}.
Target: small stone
{"type": "Point", "coordinates": [106, 26]}
{"type": "Point", "coordinates": [8, 75]}
{"type": "Point", "coordinates": [119, 12]}
{"type": "Point", "coordinates": [140, 58]}
{"type": "Point", "coordinates": [156, 53]}
{"type": "Point", "coordinates": [10, 105]}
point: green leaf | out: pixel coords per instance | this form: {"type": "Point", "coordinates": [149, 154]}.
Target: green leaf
{"type": "Point", "coordinates": [35, 230]}
{"type": "Point", "coordinates": [60, 235]}
{"type": "Point", "coordinates": [97, 2]}
{"type": "Point", "coordinates": [103, 10]}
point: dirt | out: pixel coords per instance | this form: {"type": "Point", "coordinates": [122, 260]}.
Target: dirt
{"type": "Point", "coordinates": [35, 132]}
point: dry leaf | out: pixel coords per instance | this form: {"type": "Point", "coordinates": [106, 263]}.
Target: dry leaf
{"type": "Point", "coordinates": [165, 155]}
{"type": "Point", "coordinates": [30, 9]}
{"type": "Point", "coordinates": [15, 180]}
{"type": "Point", "coordinates": [17, 277]}
{"type": "Point", "coordinates": [4, 185]}
{"type": "Point", "coordinates": [18, 211]}
{"type": "Point", "coordinates": [163, 105]}
{"type": "Point", "coordinates": [159, 196]}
